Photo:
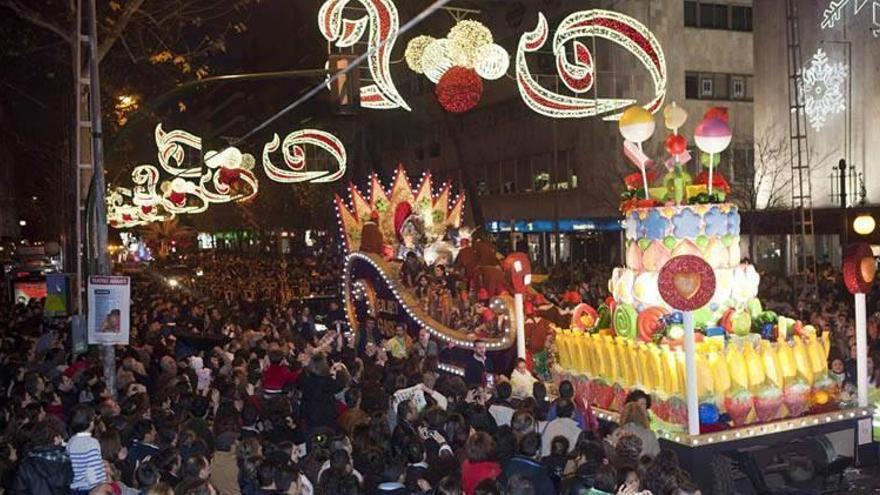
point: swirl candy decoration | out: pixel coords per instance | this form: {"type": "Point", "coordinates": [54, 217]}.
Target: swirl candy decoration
{"type": "Point", "coordinates": [383, 24]}
{"type": "Point", "coordinates": [295, 157]}
{"type": "Point", "coordinates": [626, 321]}
{"type": "Point", "coordinates": [578, 74]}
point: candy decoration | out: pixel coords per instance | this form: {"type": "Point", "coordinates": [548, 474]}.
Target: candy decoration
{"type": "Point", "coordinates": [637, 126]}
{"type": "Point", "coordinates": [741, 323]}
{"type": "Point", "coordinates": [859, 268]}
{"type": "Point", "coordinates": [584, 317]}
{"type": "Point", "coordinates": [674, 117]}
{"type": "Point", "coordinates": [649, 322]}
{"type": "Point", "coordinates": [708, 414]}
{"type": "Point", "coordinates": [625, 321]}
{"type": "Point", "coordinates": [676, 144]}
{"type": "Point", "coordinates": [686, 282]}
{"type": "Point", "coordinates": [712, 136]}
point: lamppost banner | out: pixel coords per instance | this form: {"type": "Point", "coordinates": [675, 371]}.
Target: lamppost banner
{"type": "Point", "coordinates": [109, 310]}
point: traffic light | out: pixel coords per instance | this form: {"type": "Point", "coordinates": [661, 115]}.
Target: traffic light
{"type": "Point", "coordinates": [347, 88]}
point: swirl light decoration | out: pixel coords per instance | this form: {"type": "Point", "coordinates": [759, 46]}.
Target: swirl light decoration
{"type": "Point", "coordinates": [578, 74]}
{"type": "Point", "coordinates": [295, 157]}
{"type": "Point", "coordinates": [383, 23]}
{"type": "Point", "coordinates": [221, 177]}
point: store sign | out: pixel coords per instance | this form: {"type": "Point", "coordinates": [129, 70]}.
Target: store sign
{"type": "Point", "coordinates": [109, 300]}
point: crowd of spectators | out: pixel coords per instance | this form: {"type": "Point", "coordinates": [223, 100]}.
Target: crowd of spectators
{"type": "Point", "coordinates": [230, 385]}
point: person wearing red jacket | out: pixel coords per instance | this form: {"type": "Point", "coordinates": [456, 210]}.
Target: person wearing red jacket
{"type": "Point", "coordinates": [480, 463]}
{"type": "Point", "coordinates": [277, 375]}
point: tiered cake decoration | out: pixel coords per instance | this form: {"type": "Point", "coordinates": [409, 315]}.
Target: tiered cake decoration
{"type": "Point", "coordinates": [752, 364]}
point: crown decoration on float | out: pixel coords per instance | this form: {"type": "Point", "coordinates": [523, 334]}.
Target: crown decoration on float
{"type": "Point", "coordinates": [458, 63]}
{"type": "Point", "coordinates": [682, 254]}
{"type": "Point", "coordinates": [428, 211]}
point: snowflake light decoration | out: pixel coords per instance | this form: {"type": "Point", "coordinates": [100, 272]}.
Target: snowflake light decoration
{"type": "Point", "coordinates": [822, 89]}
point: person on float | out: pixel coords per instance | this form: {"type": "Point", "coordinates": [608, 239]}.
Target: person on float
{"type": "Point", "coordinates": [477, 365]}
{"type": "Point", "coordinates": [424, 346]}
{"type": "Point", "coordinates": [522, 380]}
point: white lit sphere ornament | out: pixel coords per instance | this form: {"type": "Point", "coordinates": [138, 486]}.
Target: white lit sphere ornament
{"type": "Point", "coordinates": [492, 61]}
{"type": "Point", "coordinates": [712, 135]}
{"type": "Point", "coordinates": [636, 124]}
{"type": "Point", "coordinates": [864, 224]}
{"type": "Point", "coordinates": [414, 51]}
{"type": "Point", "coordinates": [435, 59]}
{"type": "Point", "coordinates": [464, 40]}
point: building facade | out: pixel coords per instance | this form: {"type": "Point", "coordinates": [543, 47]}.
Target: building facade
{"type": "Point", "coordinates": [554, 184]}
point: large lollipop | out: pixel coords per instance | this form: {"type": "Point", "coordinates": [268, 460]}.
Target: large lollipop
{"type": "Point", "coordinates": [712, 136]}
{"type": "Point", "coordinates": [637, 126]}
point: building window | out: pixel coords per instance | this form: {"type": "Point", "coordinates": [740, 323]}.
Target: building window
{"type": "Point", "coordinates": [740, 18]}
{"type": "Point", "coordinates": [706, 85]}
{"type": "Point", "coordinates": [717, 15]}
{"type": "Point", "coordinates": [737, 87]}
{"type": "Point", "coordinates": [691, 86]}
{"type": "Point", "coordinates": [717, 86]}
{"type": "Point", "coordinates": [690, 13]}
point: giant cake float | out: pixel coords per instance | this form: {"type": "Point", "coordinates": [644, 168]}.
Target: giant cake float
{"type": "Point", "coordinates": [752, 365]}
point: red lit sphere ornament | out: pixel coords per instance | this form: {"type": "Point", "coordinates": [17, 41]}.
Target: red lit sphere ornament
{"type": "Point", "coordinates": [459, 90]}
{"type": "Point", "coordinates": [676, 144]}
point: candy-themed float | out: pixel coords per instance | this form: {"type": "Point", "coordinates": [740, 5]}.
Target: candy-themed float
{"type": "Point", "coordinates": [401, 242]}
{"type": "Point", "coordinates": [752, 372]}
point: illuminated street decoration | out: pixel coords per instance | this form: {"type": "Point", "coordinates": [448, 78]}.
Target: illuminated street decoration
{"type": "Point", "coordinates": [822, 89]}
{"type": "Point", "coordinates": [465, 38]}
{"type": "Point", "coordinates": [383, 23]}
{"type": "Point", "coordinates": [295, 157]}
{"type": "Point", "coordinates": [458, 63]}
{"type": "Point", "coordinates": [578, 74]}
{"type": "Point", "coordinates": [221, 177]}
{"type": "Point", "coordinates": [836, 10]}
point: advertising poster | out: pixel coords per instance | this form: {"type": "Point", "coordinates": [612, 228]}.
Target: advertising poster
{"type": "Point", "coordinates": [56, 295]}
{"type": "Point", "coordinates": [109, 310]}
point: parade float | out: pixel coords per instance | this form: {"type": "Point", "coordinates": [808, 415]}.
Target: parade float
{"type": "Point", "coordinates": [684, 322]}
{"type": "Point", "coordinates": [410, 260]}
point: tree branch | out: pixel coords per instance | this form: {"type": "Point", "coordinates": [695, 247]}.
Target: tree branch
{"type": "Point", "coordinates": [36, 19]}
{"type": "Point", "coordinates": [118, 28]}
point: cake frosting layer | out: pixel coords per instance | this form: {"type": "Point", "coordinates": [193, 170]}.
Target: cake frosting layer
{"type": "Point", "coordinates": [689, 222]}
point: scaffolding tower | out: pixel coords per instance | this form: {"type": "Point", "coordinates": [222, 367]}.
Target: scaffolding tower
{"type": "Point", "coordinates": [802, 266]}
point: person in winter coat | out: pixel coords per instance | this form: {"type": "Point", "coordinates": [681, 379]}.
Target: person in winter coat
{"type": "Point", "coordinates": [480, 463]}
{"type": "Point", "coordinates": [527, 464]}
{"type": "Point", "coordinates": [318, 388]}
{"type": "Point", "coordinates": [45, 469]}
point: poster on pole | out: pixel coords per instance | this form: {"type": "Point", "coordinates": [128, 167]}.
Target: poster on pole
{"type": "Point", "coordinates": [109, 310]}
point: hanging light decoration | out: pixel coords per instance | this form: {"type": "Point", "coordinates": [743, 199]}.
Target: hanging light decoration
{"type": "Point", "coordinates": [465, 38]}
{"type": "Point", "coordinates": [435, 59]}
{"type": "Point", "coordinates": [414, 51]}
{"type": "Point", "coordinates": [492, 61]}
{"type": "Point", "coordinates": [459, 90]}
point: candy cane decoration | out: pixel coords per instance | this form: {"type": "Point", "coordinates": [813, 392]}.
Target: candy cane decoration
{"type": "Point", "coordinates": [578, 75]}
{"type": "Point", "coordinates": [383, 23]}
{"type": "Point", "coordinates": [295, 157]}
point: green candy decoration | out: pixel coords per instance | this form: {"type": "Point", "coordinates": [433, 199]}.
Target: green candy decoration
{"type": "Point", "coordinates": [702, 241]}
{"type": "Point", "coordinates": [644, 242]}
{"type": "Point", "coordinates": [728, 239]}
{"type": "Point", "coordinates": [670, 242]}
{"type": "Point", "coordinates": [703, 317]}
{"type": "Point", "coordinates": [741, 321]}
{"type": "Point", "coordinates": [755, 308]}
{"type": "Point", "coordinates": [625, 318]}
